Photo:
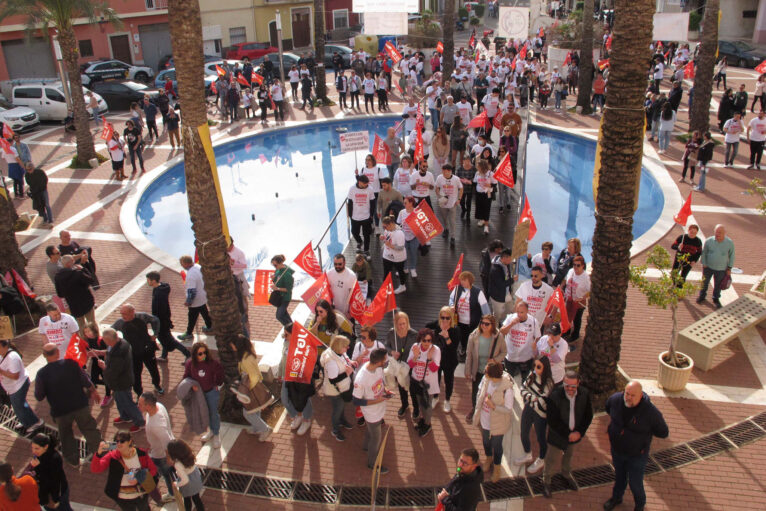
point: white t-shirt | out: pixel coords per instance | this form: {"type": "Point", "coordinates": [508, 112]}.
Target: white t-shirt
{"type": "Point", "coordinates": [464, 109]}
{"type": "Point", "coordinates": [478, 148]}
{"type": "Point", "coordinates": [491, 103]}
{"type": "Point", "coordinates": [341, 285]}
{"type": "Point", "coordinates": [421, 185]}
{"type": "Point", "coordinates": [484, 182]}
{"type": "Point", "coordinates": [412, 111]}
{"type": "Point", "coordinates": [449, 188]}
{"type": "Point", "coordinates": [295, 75]}
{"type": "Point", "coordinates": [374, 174]}
{"type": "Point", "coordinates": [59, 332]}
{"type": "Point", "coordinates": [276, 92]}
{"type": "Point", "coordinates": [115, 150]}
{"type": "Point", "coordinates": [557, 355]}
{"type": "Point", "coordinates": [369, 86]}
{"type": "Point", "coordinates": [539, 262]}
{"type": "Point", "coordinates": [486, 411]}
{"type": "Point", "coordinates": [158, 431]}
{"type": "Point", "coordinates": [369, 385]}
{"type": "Point", "coordinates": [520, 339]}
{"type": "Point", "coordinates": [422, 371]}
{"type": "Point", "coordinates": [10, 157]}
{"type": "Point", "coordinates": [463, 307]}
{"type": "Point", "coordinates": [578, 286]}
{"type": "Point", "coordinates": [361, 198]}
{"type": "Point", "coordinates": [402, 181]}
{"type": "Point", "coordinates": [397, 254]}
{"type": "Point", "coordinates": [13, 364]}
{"type": "Point", "coordinates": [361, 353]}
{"type": "Point", "coordinates": [133, 465]}
{"type": "Point", "coordinates": [403, 215]}
{"type": "Point", "coordinates": [194, 281]}
{"type": "Point", "coordinates": [757, 129]}
{"type": "Point", "coordinates": [732, 128]}
{"type": "Point", "coordinates": [537, 299]}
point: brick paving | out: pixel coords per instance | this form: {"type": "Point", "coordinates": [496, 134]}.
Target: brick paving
{"type": "Point", "coordinates": [706, 484]}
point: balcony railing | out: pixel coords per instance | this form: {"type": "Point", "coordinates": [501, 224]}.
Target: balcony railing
{"type": "Point", "coordinates": [156, 4]}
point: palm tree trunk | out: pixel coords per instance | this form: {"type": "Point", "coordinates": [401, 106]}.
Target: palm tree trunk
{"type": "Point", "coordinates": [448, 40]}
{"type": "Point", "coordinates": [319, 40]}
{"type": "Point", "coordinates": [621, 150]}
{"type": "Point", "coordinates": [586, 59]}
{"type": "Point", "coordinates": [86, 149]}
{"type": "Point", "coordinates": [10, 255]}
{"type": "Point", "coordinates": [699, 118]}
{"type": "Point", "coordinates": [204, 210]}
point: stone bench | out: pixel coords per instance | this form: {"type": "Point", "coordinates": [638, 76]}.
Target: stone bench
{"type": "Point", "coordinates": [703, 338]}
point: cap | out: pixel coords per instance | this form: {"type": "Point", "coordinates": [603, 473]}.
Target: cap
{"type": "Point", "coordinates": [554, 329]}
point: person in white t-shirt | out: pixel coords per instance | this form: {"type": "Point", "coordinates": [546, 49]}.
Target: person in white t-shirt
{"type": "Point", "coordinates": [756, 135]}
{"type": "Point", "coordinates": [555, 348]}
{"type": "Point", "coordinates": [159, 434]}
{"type": "Point", "coordinates": [196, 298]}
{"type": "Point", "coordinates": [15, 382]}
{"type": "Point", "coordinates": [341, 281]}
{"type": "Point", "coordinates": [277, 95]}
{"type": "Point", "coordinates": [394, 253]}
{"type": "Point", "coordinates": [295, 79]}
{"type": "Point", "coordinates": [58, 328]}
{"type": "Point", "coordinates": [732, 129]}
{"type": "Point", "coordinates": [424, 360]}
{"type": "Point", "coordinates": [371, 394]}
{"type": "Point", "coordinates": [535, 293]}
{"type": "Point", "coordinates": [422, 182]}
{"type": "Point", "coordinates": [369, 87]}
{"type": "Point", "coordinates": [544, 261]}
{"type": "Point", "coordinates": [368, 342]}
{"type": "Point", "coordinates": [374, 173]}
{"type": "Point", "coordinates": [411, 111]}
{"type": "Point", "coordinates": [361, 209]}
{"type": "Point", "coordinates": [403, 175]}
{"type": "Point", "coordinates": [576, 294]}
{"type": "Point", "coordinates": [521, 331]}
{"type": "Point", "coordinates": [117, 154]}
{"type": "Point", "coordinates": [449, 191]}
{"type": "Point", "coordinates": [464, 110]}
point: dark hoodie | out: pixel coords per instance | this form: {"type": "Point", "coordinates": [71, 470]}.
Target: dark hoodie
{"type": "Point", "coordinates": [500, 280]}
{"type": "Point", "coordinates": [631, 430]}
{"type": "Point", "coordinates": [464, 491]}
{"type": "Point", "coordinates": [161, 304]}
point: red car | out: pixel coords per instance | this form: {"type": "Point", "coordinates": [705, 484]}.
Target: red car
{"type": "Point", "coordinates": [250, 50]}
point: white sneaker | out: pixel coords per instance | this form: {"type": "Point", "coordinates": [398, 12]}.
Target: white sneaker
{"type": "Point", "coordinates": [480, 222]}
{"type": "Point", "coordinates": [536, 466]}
{"type": "Point", "coordinates": [447, 407]}
{"type": "Point", "coordinates": [523, 460]}
{"type": "Point", "coordinates": [216, 442]}
{"type": "Point", "coordinates": [167, 498]}
{"type": "Point", "coordinates": [207, 436]}
{"type": "Point", "coordinates": [414, 273]}
{"type": "Point", "coordinates": [265, 435]}
{"type": "Point", "coordinates": [486, 229]}
{"type": "Point", "coordinates": [401, 289]}
{"type": "Point", "coordinates": [296, 423]}
{"type": "Point", "coordinates": [305, 426]}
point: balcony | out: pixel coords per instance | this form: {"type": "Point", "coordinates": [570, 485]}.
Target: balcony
{"type": "Point", "coordinates": [152, 5]}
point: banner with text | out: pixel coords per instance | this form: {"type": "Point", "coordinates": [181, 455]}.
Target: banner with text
{"type": "Point", "coordinates": [261, 287]}
{"type": "Point", "coordinates": [513, 22]}
{"type": "Point", "coordinates": [385, 23]}
{"type": "Point", "coordinates": [366, 6]}
{"type": "Point", "coordinates": [355, 141]}
{"type": "Point", "coordinates": [424, 223]}
{"type": "Point", "coordinates": [301, 355]}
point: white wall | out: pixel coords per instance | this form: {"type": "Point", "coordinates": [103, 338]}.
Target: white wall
{"type": "Point", "coordinates": [733, 25]}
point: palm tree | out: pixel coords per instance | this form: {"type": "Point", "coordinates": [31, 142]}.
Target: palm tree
{"type": "Point", "coordinates": [204, 208]}
{"type": "Point", "coordinates": [10, 255]}
{"type": "Point", "coordinates": [586, 58]}
{"type": "Point", "coordinates": [699, 117]}
{"type": "Point", "coordinates": [621, 150]}
{"type": "Point", "coordinates": [448, 40]}
{"type": "Point", "coordinates": [59, 15]}
{"type": "Point", "coordinates": [319, 40]}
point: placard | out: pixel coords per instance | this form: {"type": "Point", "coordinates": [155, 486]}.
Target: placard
{"type": "Point", "coordinates": [424, 223]}
{"type": "Point", "coordinates": [513, 22]}
{"type": "Point", "coordinates": [520, 242]}
{"type": "Point", "coordinates": [261, 287]}
{"type": "Point", "coordinates": [366, 6]}
{"type": "Point", "coordinates": [355, 141]}
{"type": "Point", "coordinates": [385, 23]}
{"type": "Point", "coordinates": [6, 331]}
{"type": "Point", "coordinates": [671, 26]}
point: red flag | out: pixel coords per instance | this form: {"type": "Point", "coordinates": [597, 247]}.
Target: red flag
{"type": "Point", "coordinates": [472, 40]}
{"type": "Point", "coordinates": [504, 172]}
{"type": "Point", "coordinates": [7, 131]}
{"type": "Point", "coordinates": [221, 71]}
{"type": "Point", "coordinates": [384, 301]}
{"type": "Point", "coordinates": [685, 212]}
{"type": "Point", "coordinates": [497, 121]}
{"type": "Point", "coordinates": [419, 154]}
{"type": "Point", "coordinates": [541, 32]}
{"type": "Point", "coordinates": [22, 285]}
{"type": "Point", "coordinates": [523, 52]}
{"type": "Point", "coordinates": [440, 47]}
{"type": "Point", "coordinates": [761, 68]}
{"type": "Point", "coordinates": [480, 121]}
{"type": "Point", "coordinates": [557, 300]}
{"type": "Point", "coordinates": [381, 151]}
{"type": "Point", "coordinates": [77, 350]}
{"type": "Point", "coordinates": [273, 106]}
{"type": "Point", "coordinates": [261, 290]}
{"type": "Point", "coordinates": [357, 303]}
{"type": "Point", "coordinates": [526, 214]}
{"type": "Point", "coordinates": [454, 281]}
{"type": "Point", "coordinates": [307, 260]}
{"type": "Point", "coordinates": [393, 52]}
{"type": "Point", "coordinates": [256, 78]}
{"type": "Point", "coordinates": [689, 69]}
{"type": "Point", "coordinates": [603, 64]}
{"type": "Point", "coordinates": [243, 81]}
{"type": "Point", "coordinates": [319, 290]}
{"type": "Point", "coordinates": [667, 55]}
{"type": "Point", "coordinates": [183, 276]}
{"type": "Point", "coordinates": [213, 88]}
{"type": "Point", "coordinates": [476, 60]}
{"type": "Point", "coordinates": [301, 354]}
{"type": "Point", "coordinates": [108, 131]}
{"type": "Point", "coordinates": [608, 43]}
{"type": "Point", "coordinates": [424, 223]}
{"type": "Point", "coordinates": [568, 59]}
{"type": "Point", "coordinates": [420, 121]}
{"type": "Point", "coordinates": [6, 146]}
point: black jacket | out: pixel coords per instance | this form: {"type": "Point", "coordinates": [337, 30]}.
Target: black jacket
{"type": "Point", "coordinates": [448, 351]}
{"type": "Point", "coordinates": [565, 262]}
{"type": "Point", "coordinates": [674, 97]}
{"type": "Point", "coordinates": [464, 491]}
{"type": "Point", "coordinates": [558, 415]}
{"type": "Point", "coordinates": [161, 305]}
{"type": "Point", "coordinates": [74, 285]}
{"type": "Point", "coordinates": [62, 382]}
{"type": "Point", "coordinates": [50, 477]}
{"type": "Point", "coordinates": [634, 437]}
{"type": "Point", "coordinates": [499, 283]}
{"type": "Point", "coordinates": [119, 366]}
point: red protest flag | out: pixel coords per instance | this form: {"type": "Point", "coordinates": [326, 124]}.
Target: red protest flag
{"type": "Point", "coordinates": [497, 121]}
{"type": "Point", "coordinates": [393, 52]}
{"type": "Point", "coordinates": [357, 303]}
{"type": "Point", "coordinates": [526, 214]}
{"type": "Point", "coordinates": [480, 121]}
{"type": "Point", "coordinates": [13, 276]}
{"type": "Point", "coordinates": [557, 300]}
{"type": "Point", "coordinates": [603, 64]}
{"type": "Point", "coordinates": [761, 68]}
{"type": "Point", "coordinates": [541, 32]}
{"type": "Point", "coordinates": [472, 40]}
{"type": "Point", "coordinates": [273, 106]}
{"type": "Point", "coordinates": [440, 47]}
{"type": "Point", "coordinates": [108, 132]}
{"type": "Point", "coordinates": [319, 290]}
{"type": "Point", "coordinates": [242, 80]}
{"type": "Point", "coordinates": [301, 354]}
{"type": "Point", "coordinates": [568, 58]}
{"type": "Point", "coordinates": [7, 131]}
{"type": "Point", "coordinates": [424, 223]}
{"type": "Point", "coordinates": [381, 151]}
{"type": "Point", "coordinates": [523, 52]}
{"type": "Point", "coordinates": [383, 302]}
{"type": "Point", "coordinates": [419, 152]}
{"type": "Point", "coordinates": [6, 146]}
{"type": "Point", "coordinates": [504, 172]}
{"type": "Point", "coordinates": [689, 69]}
{"type": "Point", "coordinates": [256, 78]}
{"type": "Point", "coordinates": [454, 281]}
{"type": "Point", "coordinates": [685, 212]}
{"type": "Point", "coordinates": [221, 71]}
{"type": "Point", "coordinates": [261, 289]}
{"type": "Point", "coordinates": [608, 43]}
{"type": "Point", "coordinates": [213, 88]}
{"type": "Point", "coordinates": [77, 350]}
{"type": "Point", "coordinates": [307, 260]}
{"type": "Point", "coordinates": [667, 55]}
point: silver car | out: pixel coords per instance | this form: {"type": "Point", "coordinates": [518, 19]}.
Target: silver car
{"type": "Point", "coordinates": [18, 118]}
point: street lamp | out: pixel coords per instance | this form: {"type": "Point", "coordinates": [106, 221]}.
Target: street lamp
{"type": "Point", "coordinates": [279, 45]}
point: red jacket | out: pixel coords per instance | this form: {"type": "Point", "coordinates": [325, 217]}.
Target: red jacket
{"type": "Point", "coordinates": [112, 461]}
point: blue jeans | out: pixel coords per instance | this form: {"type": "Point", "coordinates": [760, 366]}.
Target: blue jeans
{"type": "Point", "coordinates": [308, 411]}
{"type": "Point", "coordinates": [702, 175]}
{"type": "Point", "coordinates": [211, 398]}
{"type": "Point", "coordinates": [48, 212]}
{"type": "Point", "coordinates": [255, 421]}
{"type": "Point", "coordinates": [664, 141]}
{"type": "Point", "coordinates": [493, 446]}
{"type": "Point", "coordinates": [434, 118]}
{"type": "Point", "coordinates": [629, 470]}
{"type": "Point", "coordinates": [503, 195]}
{"type": "Point", "coordinates": [164, 470]}
{"type": "Point", "coordinates": [337, 418]}
{"type": "Point", "coordinates": [412, 253]}
{"type": "Point", "coordinates": [731, 152]}
{"type": "Point", "coordinates": [530, 417]}
{"type": "Point", "coordinates": [717, 276]}
{"type": "Point", "coordinates": [557, 98]}
{"type": "Point", "coordinates": [127, 407]}
{"type": "Point", "coordinates": [283, 316]}
{"type": "Point", "coordinates": [656, 128]}
{"type": "Point", "coordinates": [21, 408]}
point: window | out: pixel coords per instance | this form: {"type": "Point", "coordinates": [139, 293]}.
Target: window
{"type": "Point", "coordinates": [28, 92]}
{"type": "Point", "coordinates": [86, 48]}
{"type": "Point", "coordinates": [54, 95]}
{"type": "Point", "coordinates": [340, 18]}
{"type": "Point", "coordinates": [237, 35]}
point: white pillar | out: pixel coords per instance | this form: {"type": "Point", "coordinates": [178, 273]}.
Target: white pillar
{"type": "Point", "coordinates": [759, 31]}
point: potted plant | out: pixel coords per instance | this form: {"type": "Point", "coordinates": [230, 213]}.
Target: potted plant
{"type": "Point", "coordinates": [666, 291]}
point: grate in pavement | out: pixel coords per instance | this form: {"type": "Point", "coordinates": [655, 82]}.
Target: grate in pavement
{"type": "Point", "coordinates": [511, 488]}
{"type": "Point", "coordinates": [652, 467]}
{"type": "Point", "coordinates": [361, 496]}
{"type": "Point", "coordinates": [710, 445]}
{"type": "Point", "coordinates": [558, 483]}
{"type": "Point", "coordinates": [230, 481]}
{"type": "Point", "coordinates": [203, 473]}
{"type": "Point", "coordinates": [272, 488]}
{"type": "Point", "coordinates": [320, 493]}
{"type": "Point", "coordinates": [6, 414]}
{"type": "Point", "coordinates": [676, 456]}
{"type": "Point", "coordinates": [594, 476]}
{"type": "Point", "coordinates": [742, 433]}
{"type": "Point", "coordinates": [760, 419]}
{"type": "Point", "coordinates": [408, 497]}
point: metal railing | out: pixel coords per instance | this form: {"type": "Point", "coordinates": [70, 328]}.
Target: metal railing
{"type": "Point", "coordinates": [521, 162]}
{"type": "Point", "coordinates": [156, 4]}
{"type": "Point", "coordinates": [318, 246]}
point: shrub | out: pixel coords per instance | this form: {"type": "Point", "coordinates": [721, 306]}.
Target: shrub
{"type": "Point", "coordinates": [479, 11]}
{"type": "Point", "coordinates": [462, 13]}
{"type": "Point", "coordinates": [475, 21]}
{"type": "Point", "coordinates": [695, 18]}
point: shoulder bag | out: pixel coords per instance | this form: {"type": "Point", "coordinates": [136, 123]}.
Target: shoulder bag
{"type": "Point", "coordinates": [253, 399]}
{"type": "Point", "coordinates": [275, 297]}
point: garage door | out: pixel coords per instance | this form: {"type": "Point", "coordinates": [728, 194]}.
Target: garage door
{"type": "Point", "coordinates": [20, 53]}
{"type": "Point", "coordinates": [155, 43]}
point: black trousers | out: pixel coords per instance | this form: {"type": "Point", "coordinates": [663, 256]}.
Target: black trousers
{"type": "Point", "coordinates": [404, 396]}
{"type": "Point", "coordinates": [151, 125]}
{"type": "Point", "coordinates": [194, 313]}
{"type": "Point", "coordinates": [169, 343]}
{"type": "Point", "coordinates": [342, 99]}
{"type": "Point", "coordinates": [756, 151]}
{"type": "Point", "coordinates": [465, 203]}
{"type": "Point", "coordinates": [366, 227]}
{"type": "Point", "coordinates": [369, 99]}
{"type": "Point", "coordinates": [394, 267]}
{"type": "Point", "coordinates": [354, 97]}
{"type": "Point", "coordinates": [146, 360]}
{"type": "Point", "coordinates": [475, 388]}
{"type": "Point", "coordinates": [279, 110]}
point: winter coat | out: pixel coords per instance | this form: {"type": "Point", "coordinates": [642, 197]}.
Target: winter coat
{"type": "Point", "coordinates": [500, 417]}
{"type": "Point", "coordinates": [558, 416]}
{"type": "Point", "coordinates": [635, 437]}
{"type": "Point", "coordinates": [472, 353]}
{"type": "Point", "coordinates": [464, 491]}
{"type": "Point", "coordinates": [74, 286]}
{"type": "Point", "coordinates": [194, 405]}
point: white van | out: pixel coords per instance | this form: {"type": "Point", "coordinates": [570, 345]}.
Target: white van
{"type": "Point", "coordinates": [47, 99]}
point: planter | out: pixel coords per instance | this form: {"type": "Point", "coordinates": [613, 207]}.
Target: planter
{"type": "Point", "coordinates": [674, 379]}
{"type": "Point", "coordinates": [759, 288]}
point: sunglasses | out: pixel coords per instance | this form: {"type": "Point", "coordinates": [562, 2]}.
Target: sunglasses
{"type": "Point", "coordinates": [538, 366]}
{"type": "Point", "coordinates": [486, 323]}
{"type": "Point", "coordinates": [566, 385]}
{"type": "Point", "coordinates": [201, 353]}
{"type": "Point", "coordinates": [428, 339]}
{"type": "Point", "coordinates": [444, 317]}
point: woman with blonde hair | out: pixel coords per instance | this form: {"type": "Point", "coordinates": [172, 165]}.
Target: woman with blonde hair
{"type": "Point", "coordinates": [337, 383]}
{"type": "Point", "coordinates": [485, 344]}
{"type": "Point", "coordinates": [447, 340]}
{"type": "Point", "coordinates": [399, 342]}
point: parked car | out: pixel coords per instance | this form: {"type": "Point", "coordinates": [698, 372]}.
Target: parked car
{"type": "Point", "coordinates": [288, 60]}
{"type": "Point", "coordinates": [119, 94]}
{"type": "Point", "coordinates": [740, 54]}
{"type": "Point", "coordinates": [47, 99]}
{"type": "Point", "coordinates": [227, 64]}
{"type": "Point", "coordinates": [18, 118]}
{"type": "Point", "coordinates": [113, 69]}
{"type": "Point", "coordinates": [344, 51]}
{"type": "Point", "coordinates": [250, 50]}
{"type": "Point", "coordinates": [159, 81]}
{"type": "Point", "coordinates": [167, 61]}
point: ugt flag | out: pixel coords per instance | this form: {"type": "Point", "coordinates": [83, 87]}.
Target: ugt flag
{"type": "Point", "coordinates": [301, 355]}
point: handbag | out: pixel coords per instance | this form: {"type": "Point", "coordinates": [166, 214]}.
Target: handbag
{"type": "Point", "coordinates": [725, 282]}
{"type": "Point", "coordinates": [143, 477]}
{"type": "Point", "coordinates": [275, 297]}
{"type": "Point", "coordinates": [253, 399]}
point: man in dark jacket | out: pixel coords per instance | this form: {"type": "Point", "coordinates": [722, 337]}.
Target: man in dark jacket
{"type": "Point", "coordinates": [73, 283]}
{"type": "Point", "coordinates": [500, 282]}
{"type": "Point", "coordinates": [133, 326]}
{"type": "Point", "coordinates": [485, 264]}
{"type": "Point", "coordinates": [675, 95]}
{"type": "Point", "coordinates": [118, 375]}
{"type": "Point", "coordinates": [569, 416]}
{"type": "Point", "coordinates": [161, 311]}
{"type": "Point", "coordinates": [634, 421]}
{"type": "Point", "coordinates": [37, 181]}
{"type": "Point", "coordinates": [463, 492]}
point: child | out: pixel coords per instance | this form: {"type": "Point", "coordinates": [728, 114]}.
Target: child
{"type": "Point", "coordinates": [189, 482]}
{"type": "Point", "coordinates": [690, 156]}
{"type": "Point", "coordinates": [382, 92]}
{"type": "Point", "coordinates": [704, 155]}
{"type": "Point", "coordinates": [363, 274]}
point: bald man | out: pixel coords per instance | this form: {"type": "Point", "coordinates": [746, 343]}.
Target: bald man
{"type": "Point", "coordinates": [634, 421]}
{"type": "Point", "coordinates": [134, 327]}
{"type": "Point", "coordinates": [717, 261]}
